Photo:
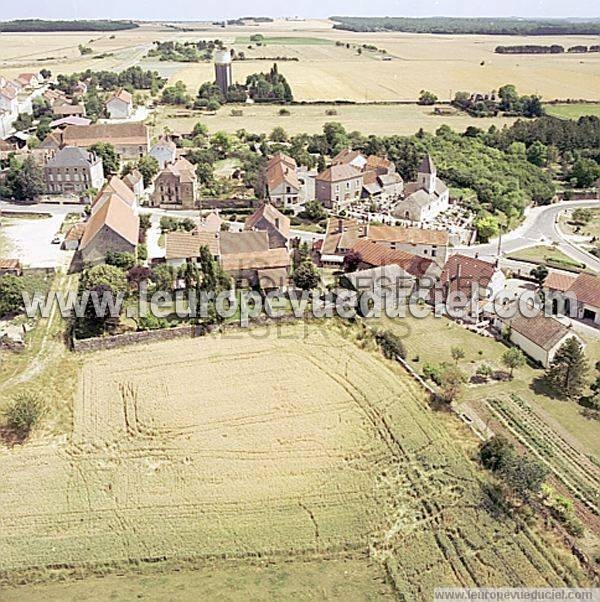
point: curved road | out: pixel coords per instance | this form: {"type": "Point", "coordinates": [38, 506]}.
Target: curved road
{"type": "Point", "coordinates": [539, 227]}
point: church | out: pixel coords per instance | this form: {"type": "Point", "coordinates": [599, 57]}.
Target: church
{"type": "Point", "coordinates": [425, 198]}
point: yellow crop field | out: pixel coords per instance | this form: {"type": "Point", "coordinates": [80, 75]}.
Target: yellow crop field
{"type": "Point", "coordinates": [286, 443]}
{"type": "Point", "coordinates": [443, 64]}
{"type": "Point", "coordinates": [381, 120]}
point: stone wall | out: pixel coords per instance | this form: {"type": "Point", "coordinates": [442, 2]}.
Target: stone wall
{"type": "Point", "coordinates": [133, 338]}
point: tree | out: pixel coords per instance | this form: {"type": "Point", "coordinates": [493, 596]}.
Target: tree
{"type": "Point", "coordinates": [24, 179]}
{"type": "Point", "coordinates": [513, 358]}
{"type": "Point", "coordinates": [352, 260]}
{"type": "Point", "coordinates": [391, 344]}
{"type": "Point", "coordinates": [163, 276]}
{"type": "Point", "coordinates": [278, 134]}
{"type": "Point", "coordinates": [110, 158]}
{"type": "Point", "coordinates": [23, 121]}
{"type": "Point", "coordinates": [104, 275]}
{"type": "Point", "coordinates": [537, 154]}
{"type": "Point", "coordinates": [582, 216]}
{"type": "Point", "coordinates": [427, 98]}
{"type": "Point", "coordinates": [148, 166]}
{"type": "Point", "coordinates": [487, 227]}
{"type": "Point", "coordinates": [23, 413]}
{"type": "Point", "coordinates": [585, 172]}
{"type": "Point", "coordinates": [458, 353]}
{"type": "Point", "coordinates": [306, 276]}
{"type": "Point", "coordinates": [567, 371]}
{"type": "Point", "coordinates": [11, 294]}
{"type": "Point", "coordinates": [119, 259]}
{"type": "Point", "coordinates": [496, 453]}
{"type": "Point", "coordinates": [452, 383]}
{"type": "Point", "coordinates": [539, 273]}
{"type": "Point", "coordinates": [301, 255]}
{"type": "Point", "coordinates": [523, 475]}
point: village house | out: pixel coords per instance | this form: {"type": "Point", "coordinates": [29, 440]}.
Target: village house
{"type": "Point", "coordinates": [245, 256]}
{"type": "Point", "coordinates": [351, 157]}
{"type": "Point", "coordinates": [338, 186]}
{"type": "Point", "coordinates": [264, 270]}
{"type": "Point", "coordinates": [176, 185]}
{"type": "Point", "coordinates": [30, 80]}
{"type": "Point", "coordinates": [373, 254]}
{"type": "Point", "coordinates": [540, 337]}
{"type": "Point", "coordinates": [63, 108]}
{"type": "Point", "coordinates": [420, 241]}
{"type": "Point", "coordinates": [283, 185]}
{"type": "Point", "coordinates": [210, 222]}
{"type": "Point", "coordinates": [10, 267]}
{"type": "Point", "coordinates": [164, 151]}
{"type": "Point", "coordinates": [184, 247]}
{"type": "Point", "coordinates": [387, 280]}
{"type": "Point", "coordinates": [114, 227]}
{"type": "Point", "coordinates": [340, 236]}
{"type": "Point", "coordinates": [73, 170]}
{"type": "Point", "coordinates": [478, 281]}
{"type": "Point", "coordinates": [424, 199]}
{"type": "Point", "coordinates": [273, 222]}
{"type": "Point", "coordinates": [575, 296]}
{"type": "Point", "coordinates": [135, 182]}
{"type": "Point", "coordinates": [115, 187]}
{"type": "Point", "coordinates": [120, 105]}
{"type": "Point", "coordinates": [131, 140]}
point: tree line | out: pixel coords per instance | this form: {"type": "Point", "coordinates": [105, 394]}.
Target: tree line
{"type": "Point", "coordinates": [458, 25]}
{"type": "Point", "coordinates": [41, 25]}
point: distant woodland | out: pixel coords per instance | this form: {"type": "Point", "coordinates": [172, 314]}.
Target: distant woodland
{"type": "Point", "coordinates": [39, 25]}
{"type": "Point", "coordinates": [450, 25]}
{"type": "Point", "coordinates": [553, 49]}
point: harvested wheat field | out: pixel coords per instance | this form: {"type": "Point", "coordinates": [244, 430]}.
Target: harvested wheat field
{"type": "Point", "coordinates": [286, 444]}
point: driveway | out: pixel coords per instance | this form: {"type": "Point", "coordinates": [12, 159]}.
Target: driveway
{"type": "Point", "coordinates": [30, 240]}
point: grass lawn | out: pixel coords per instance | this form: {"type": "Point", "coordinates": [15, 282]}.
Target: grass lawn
{"type": "Point", "coordinates": [430, 340]}
{"type": "Point", "coordinates": [573, 111]}
{"type": "Point", "coordinates": [592, 228]}
{"type": "Point", "coordinates": [548, 256]}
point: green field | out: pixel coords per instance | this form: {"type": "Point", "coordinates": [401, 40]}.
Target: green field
{"type": "Point", "coordinates": [549, 256]}
{"type": "Point", "coordinates": [285, 41]}
{"type": "Point", "coordinates": [574, 110]}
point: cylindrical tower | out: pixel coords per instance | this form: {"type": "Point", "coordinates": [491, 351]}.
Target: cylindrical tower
{"type": "Point", "coordinates": [223, 75]}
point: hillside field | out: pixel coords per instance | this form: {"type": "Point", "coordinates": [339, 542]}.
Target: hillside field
{"type": "Point", "coordinates": [288, 444]}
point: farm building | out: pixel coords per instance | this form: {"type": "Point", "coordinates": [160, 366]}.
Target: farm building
{"type": "Point", "coordinates": [576, 296]}
{"type": "Point", "coordinates": [131, 140]}
{"type": "Point", "coordinates": [113, 227]}
{"type": "Point", "coordinates": [539, 337]}
{"type": "Point", "coordinates": [10, 267]}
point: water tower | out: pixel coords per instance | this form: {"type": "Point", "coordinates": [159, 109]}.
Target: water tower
{"type": "Point", "coordinates": [223, 77]}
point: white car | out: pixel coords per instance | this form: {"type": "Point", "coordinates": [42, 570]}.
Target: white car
{"type": "Point", "coordinates": [57, 239]}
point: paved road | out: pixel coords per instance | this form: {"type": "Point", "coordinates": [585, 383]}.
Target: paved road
{"type": "Point", "coordinates": [539, 227]}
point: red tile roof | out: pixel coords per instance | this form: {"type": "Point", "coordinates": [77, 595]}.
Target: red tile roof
{"type": "Point", "coordinates": [586, 289]}
{"type": "Point", "coordinates": [411, 236]}
{"type": "Point", "coordinates": [376, 254]}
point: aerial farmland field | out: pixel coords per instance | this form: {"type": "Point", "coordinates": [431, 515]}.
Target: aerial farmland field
{"type": "Point", "coordinates": [285, 444]}
{"type": "Point", "coordinates": [324, 70]}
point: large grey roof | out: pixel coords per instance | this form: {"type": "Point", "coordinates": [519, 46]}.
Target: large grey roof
{"type": "Point", "coordinates": [72, 156]}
